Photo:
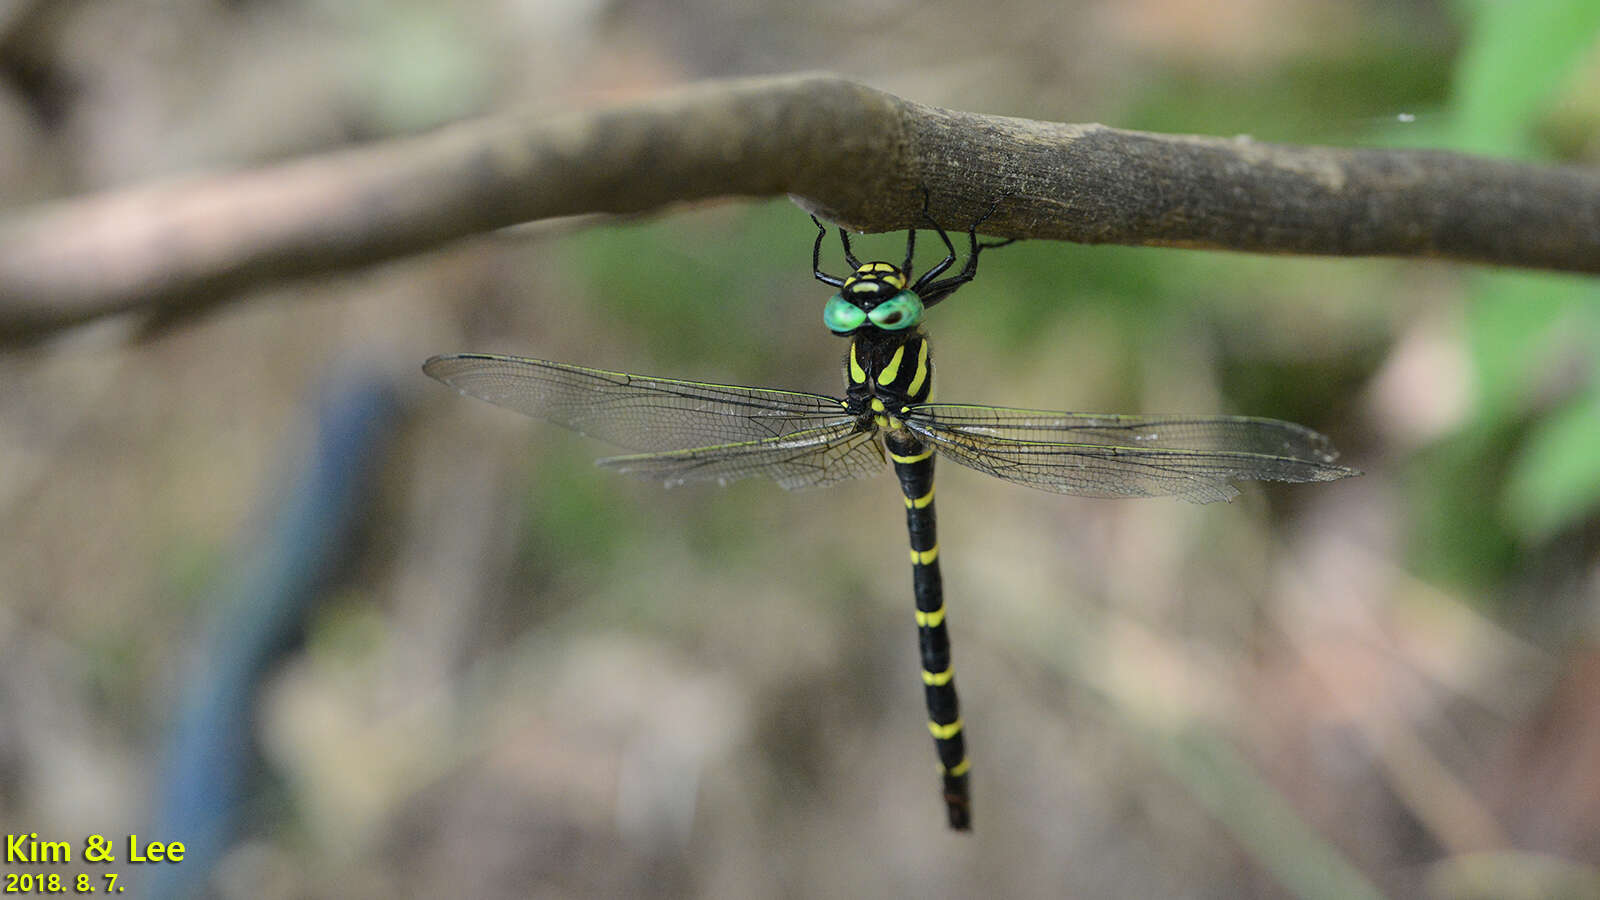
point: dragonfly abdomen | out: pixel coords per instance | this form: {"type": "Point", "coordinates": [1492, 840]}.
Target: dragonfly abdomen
{"type": "Point", "coordinates": [913, 464]}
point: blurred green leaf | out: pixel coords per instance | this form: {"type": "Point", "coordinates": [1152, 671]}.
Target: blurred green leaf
{"type": "Point", "coordinates": [1327, 98]}
{"type": "Point", "coordinates": [648, 279]}
{"type": "Point", "coordinates": [1516, 57]}
{"type": "Point", "coordinates": [1555, 479]}
{"type": "Point", "coordinates": [1512, 326]}
{"type": "Point", "coordinates": [573, 514]}
{"type": "Point", "coordinates": [671, 280]}
{"type": "Point", "coordinates": [1479, 493]}
{"type": "Point", "coordinates": [1458, 530]}
{"type": "Point", "coordinates": [1024, 285]}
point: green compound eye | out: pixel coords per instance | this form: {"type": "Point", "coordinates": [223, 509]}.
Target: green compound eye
{"type": "Point", "coordinates": [841, 316]}
{"type": "Point", "coordinates": [901, 311]}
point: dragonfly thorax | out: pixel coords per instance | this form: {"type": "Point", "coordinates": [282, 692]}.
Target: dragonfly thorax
{"type": "Point", "coordinates": [887, 371]}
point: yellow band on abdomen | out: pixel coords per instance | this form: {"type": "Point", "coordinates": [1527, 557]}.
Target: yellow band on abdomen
{"type": "Point", "coordinates": [908, 460]}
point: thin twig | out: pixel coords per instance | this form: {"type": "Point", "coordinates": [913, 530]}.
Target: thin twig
{"type": "Point", "coordinates": [853, 153]}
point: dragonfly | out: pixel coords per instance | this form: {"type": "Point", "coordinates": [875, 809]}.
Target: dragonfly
{"type": "Point", "coordinates": [682, 431]}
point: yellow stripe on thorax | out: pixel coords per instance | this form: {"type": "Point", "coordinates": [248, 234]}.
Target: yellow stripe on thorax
{"type": "Point", "coordinates": [858, 375]}
{"type": "Point", "coordinates": [892, 370]}
{"type": "Point", "coordinates": [921, 375]}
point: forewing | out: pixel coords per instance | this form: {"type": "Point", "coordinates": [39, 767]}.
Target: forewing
{"type": "Point", "coordinates": [804, 459]}
{"type": "Point", "coordinates": [636, 412]}
{"type": "Point", "coordinates": [1193, 457]}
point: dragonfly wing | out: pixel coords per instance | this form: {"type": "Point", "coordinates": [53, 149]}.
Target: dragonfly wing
{"type": "Point", "coordinates": [633, 411]}
{"type": "Point", "coordinates": [805, 459]}
{"type": "Point", "coordinates": [1192, 457]}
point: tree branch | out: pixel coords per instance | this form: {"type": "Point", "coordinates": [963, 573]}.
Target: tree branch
{"type": "Point", "coordinates": [855, 154]}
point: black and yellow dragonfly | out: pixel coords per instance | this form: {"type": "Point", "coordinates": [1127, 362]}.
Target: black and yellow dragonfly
{"type": "Point", "coordinates": [689, 431]}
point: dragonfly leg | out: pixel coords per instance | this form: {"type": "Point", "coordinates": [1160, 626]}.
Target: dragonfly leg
{"type": "Point", "coordinates": [950, 252]}
{"type": "Point", "coordinates": [938, 290]}
{"type": "Point", "coordinates": [849, 256]}
{"type": "Point", "coordinates": [816, 257]}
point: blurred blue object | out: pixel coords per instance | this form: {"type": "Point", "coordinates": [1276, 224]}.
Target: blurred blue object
{"type": "Point", "coordinates": [258, 617]}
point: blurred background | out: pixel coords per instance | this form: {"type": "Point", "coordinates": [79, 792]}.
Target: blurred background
{"type": "Point", "coordinates": [268, 590]}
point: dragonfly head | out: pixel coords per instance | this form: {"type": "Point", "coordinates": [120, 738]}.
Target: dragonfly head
{"type": "Point", "coordinates": [875, 296]}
